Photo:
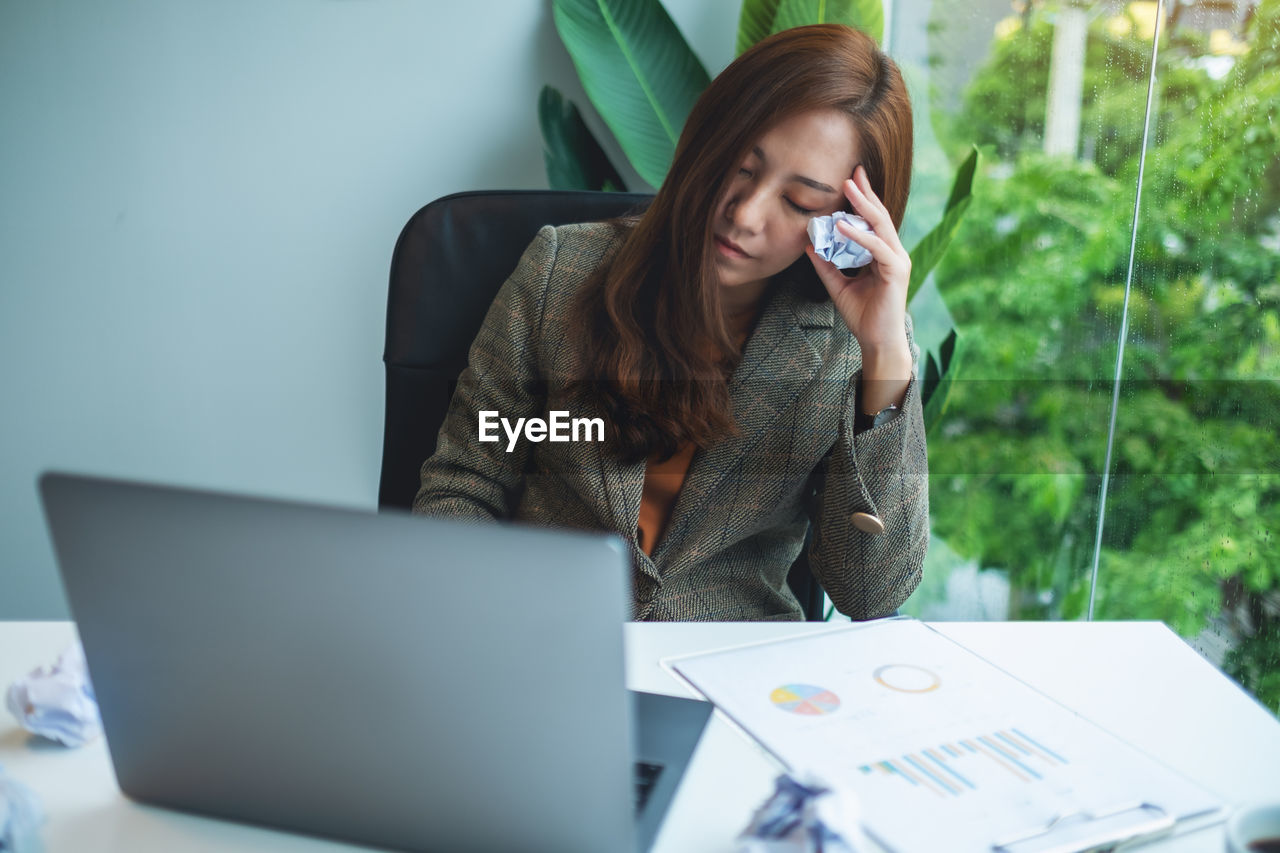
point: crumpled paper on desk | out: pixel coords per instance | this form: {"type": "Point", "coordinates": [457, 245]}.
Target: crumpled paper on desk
{"type": "Point", "coordinates": [831, 245]}
{"type": "Point", "coordinates": [805, 816]}
{"type": "Point", "coordinates": [20, 817]}
{"type": "Point", "coordinates": [57, 702]}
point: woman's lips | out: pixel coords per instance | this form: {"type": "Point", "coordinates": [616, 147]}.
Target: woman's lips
{"type": "Point", "coordinates": [729, 249]}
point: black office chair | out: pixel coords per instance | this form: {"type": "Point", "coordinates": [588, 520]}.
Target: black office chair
{"type": "Point", "coordinates": [448, 264]}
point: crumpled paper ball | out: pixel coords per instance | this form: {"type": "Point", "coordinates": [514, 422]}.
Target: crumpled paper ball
{"type": "Point", "coordinates": [831, 245]}
{"type": "Point", "coordinates": [20, 817]}
{"type": "Point", "coordinates": [57, 702]}
{"type": "Point", "coordinates": [805, 816]}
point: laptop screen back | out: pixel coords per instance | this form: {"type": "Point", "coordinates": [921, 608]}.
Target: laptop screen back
{"type": "Point", "coordinates": [397, 681]}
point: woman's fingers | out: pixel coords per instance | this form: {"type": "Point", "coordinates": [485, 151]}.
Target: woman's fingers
{"type": "Point", "coordinates": [863, 183]}
{"type": "Point", "coordinates": [881, 241]}
{"type": "Point", "coordinates": [869, 240]}
{"type": "Point", "coordinates": [828, 273]}
{"type": "Point", "coordinates": [881, 250]}
{"type": "Point", "coordinates": [868, 205]}
{"type": "Point", "coordinates": [869, 208]}
{"type": "Point", "coordinates": [877, 219]}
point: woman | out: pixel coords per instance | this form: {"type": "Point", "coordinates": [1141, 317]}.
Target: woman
{"type": "Point", "coordinates": [748, 388]}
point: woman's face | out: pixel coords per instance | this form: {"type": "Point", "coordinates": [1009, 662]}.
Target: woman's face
{"type": "Point", "coordinates": [792, 173]}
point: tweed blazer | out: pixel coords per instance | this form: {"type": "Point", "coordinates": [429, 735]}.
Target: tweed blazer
{"type": "Point", "coordinates": [740, 519]}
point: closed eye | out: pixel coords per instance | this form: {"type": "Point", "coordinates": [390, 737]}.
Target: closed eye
{"type": "Point", "coordinates": [799, 209]}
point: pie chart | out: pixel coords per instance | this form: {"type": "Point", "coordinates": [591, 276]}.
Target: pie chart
{"type": "Point", "coordinates": [804, 699]}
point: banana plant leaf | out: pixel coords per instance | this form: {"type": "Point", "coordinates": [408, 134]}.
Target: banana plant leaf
{"type": "Point", "coordinates": [760, 18]}
{"type": "Point", "coordinates": [866, 15]}
{"type": "Point", "coordinates": [931, 248]}
{"type": "Point", "coordinates": [939, 379]}
{"type": "Point", "coordinates": [941, 349]}
{"type": "Point", "coordinates": [574, 158]}
{"type": "Point", "coordinates": [639, 72]}
{"type": "Point", "coordinates": [755, 22]}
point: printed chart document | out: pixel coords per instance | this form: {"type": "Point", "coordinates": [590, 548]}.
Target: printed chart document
{"type": "Point", "coordinates": [945, 750]}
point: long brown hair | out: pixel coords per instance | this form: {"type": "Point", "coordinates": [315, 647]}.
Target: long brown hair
{"type": "Point", "coordinates": [655, 348]}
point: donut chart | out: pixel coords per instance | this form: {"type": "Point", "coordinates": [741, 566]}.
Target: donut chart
{"type": "Point", "coordinates": [806, 699]}
{"type": "Point", "coordinates": [907, 678]}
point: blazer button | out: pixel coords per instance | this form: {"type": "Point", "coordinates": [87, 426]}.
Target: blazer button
{"type": "Point", "coordinates": [867, 523]}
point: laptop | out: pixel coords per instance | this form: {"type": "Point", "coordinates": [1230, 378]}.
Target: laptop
{"type": "Point", "coordinates": [396, 681]}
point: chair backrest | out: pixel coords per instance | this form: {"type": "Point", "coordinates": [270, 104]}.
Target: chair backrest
{"type": "Point", "coordinates": [452, 257]}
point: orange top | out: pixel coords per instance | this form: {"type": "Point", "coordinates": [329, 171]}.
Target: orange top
{"type": "Point", "coordinates": [662, 480]}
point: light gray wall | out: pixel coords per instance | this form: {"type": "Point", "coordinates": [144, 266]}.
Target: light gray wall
{"type": "Point", "coordinates": [198, 202]}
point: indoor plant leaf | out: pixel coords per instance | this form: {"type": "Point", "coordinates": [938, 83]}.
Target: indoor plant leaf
{"type": "Point", "coordinates": [574, 158]}
{"type": "Point", "coordinates": [866, 15]}
{"type": "Point", "coordinates": [939, 379]}
{"type": "Point", "coordinates": [927, 253]}
{"type": "Point", "coordinates": [639, 72]}
{"type": "Point", "coordinates": [755, 22]}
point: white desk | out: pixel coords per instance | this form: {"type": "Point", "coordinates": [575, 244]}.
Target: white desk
{"type": "Point", "coordinates": [1137, 679]}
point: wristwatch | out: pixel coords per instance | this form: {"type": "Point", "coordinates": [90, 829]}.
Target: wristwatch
{"type": "Point", "coordinates": [863, 422]}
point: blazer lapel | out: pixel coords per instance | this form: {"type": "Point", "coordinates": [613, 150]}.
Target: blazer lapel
{"type": "Point", "coordinates": [778, 363]}
{"type": "Point", "coordinates": [623, 485]}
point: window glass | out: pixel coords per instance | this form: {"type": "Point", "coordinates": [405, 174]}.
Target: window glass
{"type": "Point", "coordinates": [1048, 502]}
{"type": "Point", "coordinates": [1192, 532]}
{"type": "Point", "coordinates": [1033, 282]}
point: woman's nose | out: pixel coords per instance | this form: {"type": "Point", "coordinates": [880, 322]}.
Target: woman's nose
{"type": "Point", "coordinates": [744, 210]}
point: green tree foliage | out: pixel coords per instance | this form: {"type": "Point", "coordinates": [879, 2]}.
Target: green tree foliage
{"type": "Point", "coordinates": [1014, 83]}
{"type": "Point", "coordinates": [1015, 473]}
{"type": "Point", "coordinates": [1036, 283]}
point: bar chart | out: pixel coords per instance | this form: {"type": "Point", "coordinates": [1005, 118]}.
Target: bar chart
{"type": "Point", "coordinates": [954, 768]}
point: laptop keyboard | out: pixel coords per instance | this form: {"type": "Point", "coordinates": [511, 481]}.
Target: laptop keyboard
{"type": "Point", "coordinates": [644, 777]}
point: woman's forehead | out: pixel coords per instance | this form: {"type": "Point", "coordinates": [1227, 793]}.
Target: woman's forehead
{"type": "Point", "coordinates": [816, 144]}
